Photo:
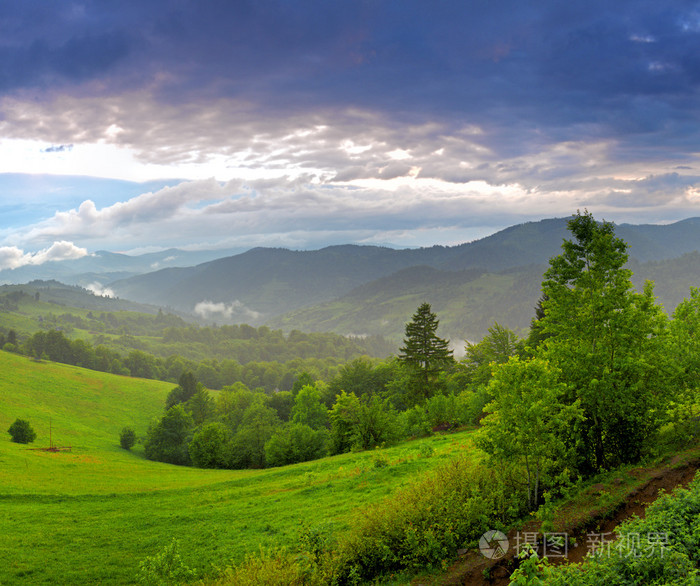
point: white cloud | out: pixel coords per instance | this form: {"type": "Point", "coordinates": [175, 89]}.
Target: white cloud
{"type": "Point", "coordinates": [211, 310]}
{"type": "Point", "coordinates": [289, 181]}
{"type": "Point", "coordinates": [100, 290]}
{"type": "Point", "coordinates": [12, 257]}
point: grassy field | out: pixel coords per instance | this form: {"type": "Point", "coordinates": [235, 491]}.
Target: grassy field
{"type": "Point", "coordinates": [90, 515]}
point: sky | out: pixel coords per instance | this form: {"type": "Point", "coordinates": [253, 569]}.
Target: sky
{"type": "Point", "coordinates": [203, 124]}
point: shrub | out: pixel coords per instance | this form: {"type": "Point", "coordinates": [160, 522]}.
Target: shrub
{"type": "Point", "coordinates": [165, 568]}
{"type": "Point", "coordinates": [295, 442]}
{"type": "Point", "coordinates": [272, 568]}
{"type": "Point", "coordinates": [415, 422]}
{"type": "Point", "coordinates": [662, 548]}
{"type": "Point", "coordinates": [21, 432]}
{"type": "Point", "coordinates": [424, 525]}
{"type": "Point", "coordinates": [127, 438]}
{"type": "Point", "coordinates": [441, 411]}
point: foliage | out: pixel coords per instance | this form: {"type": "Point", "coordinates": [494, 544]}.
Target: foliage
{"type": "Point", "coordinates": [282, 402]}
{"type": "Point", "coordinates": [663, 548]}
{"type": "Point", "coordinates": [423, 525]}
{"type": "Point", "coordinates": [127, 438]}
{"type": "Point", "coordinates": [295, 442]}
{"type": "Point", "coordinates": [376, 424]}
{"type": "Point", "coordinates": [362, 376]}
{"type": "Point", "coordinates": [526, 424]}
{"type": "Point", "coordinates": [164, 347]}
{"type": "Point", "coordinates": [268, 567]}
{"type": "Point", "coordinates": [186, 388]}
{"type": "Point", "coordinates": [165, 568]}
{"type": "Point", "coordinates": [607, 341]}
{"type": "Point", "coordinates": [209, 447]}
{"type": "Point", "coordinates": [167, 439]}
{"type": "Point", "coordinates": [257, 427]}
{"type": "Point", "coordinates": [415, 422]}
{"type": "Point", "coordinates": [22, 432]}
{"type": "Point", "coordinates": [684, 346]}
{"type": "Point", "coordinates": [201, 406]}
{"type": "Point", "coordinates": [308, 408]}
{"type": "Point", "coordinates": [424, 353]}
{"type": "Point", "coordinates": [495, 348]}
{"type": "Point", "coordinates": [344, 417]}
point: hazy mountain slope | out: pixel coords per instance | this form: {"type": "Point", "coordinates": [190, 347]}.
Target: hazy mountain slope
{"type": "Point", "coordinates": [467, 303]}
{"type": "Point", "coordinates": [651, 242]}
{"type": "Point", "coordinates": [263, 283]}
{"type": "Point", "coordinates": [73, 296]}
{"type": "Point", "coordinates": [672, 278]}
{"type": "Point", "coordinates": [268, 281]}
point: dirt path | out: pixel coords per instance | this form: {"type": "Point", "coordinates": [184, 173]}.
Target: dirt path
{"type": "Point", "coordinates": [473, 569]}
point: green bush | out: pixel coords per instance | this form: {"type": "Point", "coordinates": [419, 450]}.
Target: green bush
{"type": "Point", "coordinates": [165, 568]}
{"type": "Point", "coordinates": [271, 568]}
{"type": "Point", "coordinates": [424, 525]}
{"type": "Point", "coordinates": [21, 432]}
{"type": "Point", "coordinates": [662, 549]}
{"type": "Point", "coordinates": [127, 438]}
{"type": "Point", "coordinates": [415, 422]}
{"type": "Point", "coordinates": [295, 442]}
{"type": "Point", "coordinates": [441, 411]}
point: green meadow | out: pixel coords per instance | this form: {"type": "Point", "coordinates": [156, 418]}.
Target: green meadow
{"type": "Point", "coordinates": [92, 514]}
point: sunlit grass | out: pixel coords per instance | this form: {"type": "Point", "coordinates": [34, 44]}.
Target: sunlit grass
{"type": "Point", "coordinates": [91, 514]}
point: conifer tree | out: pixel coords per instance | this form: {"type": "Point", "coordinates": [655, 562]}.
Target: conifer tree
{"type": "Point", "coordinates": [424, 353]}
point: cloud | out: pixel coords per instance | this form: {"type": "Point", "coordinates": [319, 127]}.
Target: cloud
{"type": "Point", "coordinates": [236, 309]}
{"type": "Point", "coordinates": [364, 121]}
{"type": "Point", "coordinates": [129, 218]}
{"type": "Point", "coordinates": [528, 74]}
{"type": "Point", "coordinates": [100, 290]}
{"type": "Point", "coordinates": [12, 257]}
{"type": "Point", "coordinates": [305, 212]}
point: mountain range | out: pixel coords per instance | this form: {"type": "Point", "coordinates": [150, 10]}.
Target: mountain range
{"type": "Point", "coordinates": [353, 289]}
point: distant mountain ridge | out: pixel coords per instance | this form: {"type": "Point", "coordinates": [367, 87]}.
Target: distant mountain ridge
{"type": "Point", "coordinates": [353, 289]}
{"type": "Point", "coordinates": [338, 287]}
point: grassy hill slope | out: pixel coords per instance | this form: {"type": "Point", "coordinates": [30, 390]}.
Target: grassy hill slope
{"type": "Point", "coordinates": [90, 515]}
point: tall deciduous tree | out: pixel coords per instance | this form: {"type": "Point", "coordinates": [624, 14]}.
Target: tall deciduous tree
{"type": "Point", "coordinates": [604, 337]}
{"type": "Point", "coordinates": [423, 352]}
{"type": "Point", "coordinates": [527, 422]}
{"type": "Point", "coordinates": [684, 347]}
{"type": "Point", "coordinates": [167, 440]}
{"type": "Point", "coordinates": [308, 408]}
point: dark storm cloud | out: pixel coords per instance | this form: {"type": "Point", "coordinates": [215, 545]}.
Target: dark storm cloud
{"type": "Point", "coordinates": [594, 68]}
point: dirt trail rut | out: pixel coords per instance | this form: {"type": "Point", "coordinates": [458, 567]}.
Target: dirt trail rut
{"type": "Point", "coordinates": [472, 569]}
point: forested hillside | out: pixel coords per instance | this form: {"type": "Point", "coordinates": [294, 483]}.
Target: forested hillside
{"type": "Point", "coordinates": [71, 325]}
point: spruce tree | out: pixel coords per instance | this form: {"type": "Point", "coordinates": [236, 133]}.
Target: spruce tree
{"type": "Point", "coordinates": [424, 353]}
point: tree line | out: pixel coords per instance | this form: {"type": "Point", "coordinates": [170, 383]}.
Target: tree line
{"type": "Point", "coordinates": [321, 354]}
